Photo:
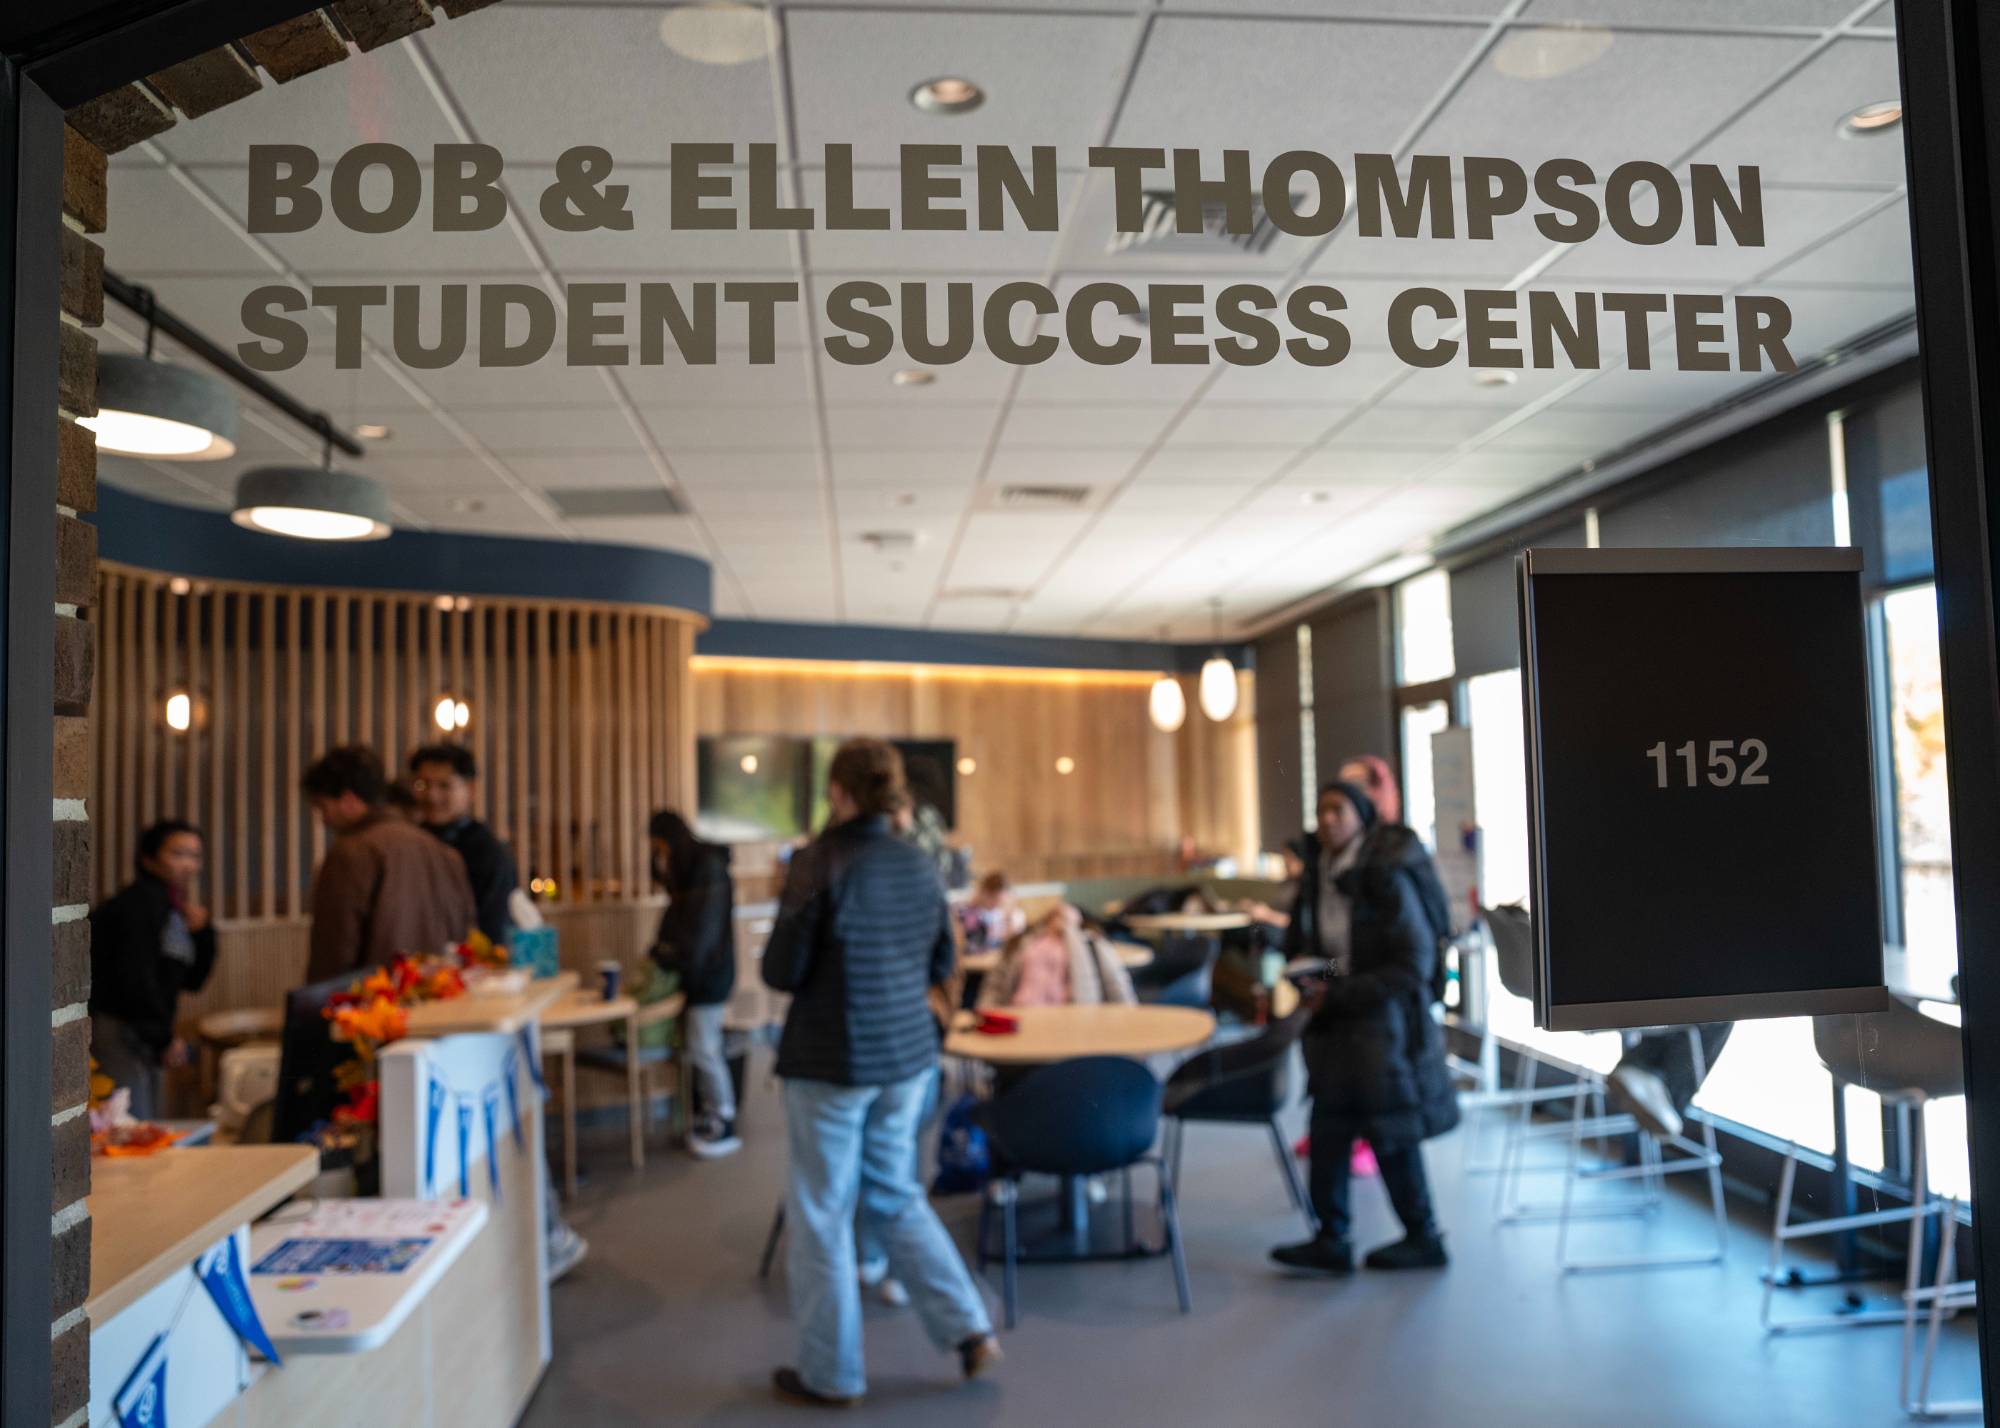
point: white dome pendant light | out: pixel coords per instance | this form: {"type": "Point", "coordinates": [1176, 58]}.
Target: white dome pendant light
{"type": "Point", "coordinates": [1166, 701]}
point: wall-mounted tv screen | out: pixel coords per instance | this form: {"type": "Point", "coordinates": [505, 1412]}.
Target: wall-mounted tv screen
{"type": "Point", "coordinates": [930, 765]}
{"type": "Point", "coordinates": [753, 787]}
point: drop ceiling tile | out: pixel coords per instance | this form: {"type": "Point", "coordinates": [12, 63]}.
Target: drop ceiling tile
{"type": "Point", "coordinates": [1233, 424]}
{"type": "Point", "coordinates": [652, 244]}
{"type": "Point", "coordinates": [911, 470]}
{"type": "Point", "coordinates": [1458, 385]}
{"type": "Point", "coordinates": [1875, 251]}
{"type": "Point", "coordinates": [159, 226]}
{"type": "Point", "coordinates": [1066, 377]}
{"type": "Point", "coordinates": [372, 98]}
{"type": "Point", "coordinates": [412, 476]}
{"type": "Point", "coordinates": [551, 381]}
{"type": "Point", "coordinates": [1692, 12]}
{"type": "Point", "coordinates": [1322, 9]}
{"type": "Point", "coordinates": [973, 615]}
{"type": "Point", "coordinates": [1210, 464]}
{"type": "Point", "coordinates": [1580, 430]}
{"type": "Point", "coordinates": [666, 532]}
{"type": "Point", "coordinates": [925, 507]}
{"type": "Point", "coordinates": [1345, 463]}
{"type": "Point", "coordinates": [620, 87]}
{"type": "Point", "coordinates": [1515, 244]}
{"type": "Point", "coordinates": [789, 428]}
{"type": "Point", "coordinates": [1508, 472]}
{"type": "Point", "coordinates": [510, 429]}
{"type": "Point", "coordinates": [1649, 95]}
{"type": "Point", "coordinates": [1826, 318]}
{"type": "Point", "coordinates": [1417, 428]}
{"type": "Point", "coordinates": [977, 376]}
{"type": "Point", "coordinates": [571, 470]}
{"type": "Point", "coordinates": [701, 469]}
{"type": "Point", "coordinates": [1048, 79]}
{"type": "Point", "coordinates": [889, 427]}
{"type": "Point", "coordinates": [1270, 85]}
{"type": "Point", "coordinates": [1091, 240]}
{"type": "Point", "coordinates": [160, 481]}
{"type": "Point", "coordinates": [1795, 131]}
{"type": "Point", "coordinates": [1122, 426]}
{"type": "Point", "coordinates": [1667, 389]}
{"type": "Point", "coordinates": [732, 380]}
{"type": "Point", "coordinates": [753, 501]}
{"type": "Point", "coordinates": [1062, 466]}
{"type": "Point", "coordinates": [498, 512]}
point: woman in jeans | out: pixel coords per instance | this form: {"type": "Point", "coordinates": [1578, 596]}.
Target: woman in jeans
{"type": "Point", "coordinates": [862, 935]}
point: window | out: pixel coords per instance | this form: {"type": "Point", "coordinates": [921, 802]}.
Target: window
{"type": "Point", "coordinates": [1308, 748]}
{"type": "Point", "coordinates": [1423, 630]}
{"type": "Point", "coordinates": [1500, 785]}
{"type": "Point", "coordinates": [1420, 721]}
{"type": "Point", "coordinates": [1917, 760]}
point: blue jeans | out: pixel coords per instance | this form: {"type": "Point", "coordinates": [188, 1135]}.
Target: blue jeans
{"type": "Point", "coordinates": [855, 1146]}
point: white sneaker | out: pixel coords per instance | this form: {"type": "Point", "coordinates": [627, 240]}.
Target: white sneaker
{"type": "Point", "coordinates": [1644, 1097]}
{"type": "Point", "coordinates": [713, 1139]}
{"type": "Point", "coordinates": [891, 1292]}
{"type": "Point", "coordinates": [566, 1249]}
{"type": "Point", "coordinates": [1095, 1190]}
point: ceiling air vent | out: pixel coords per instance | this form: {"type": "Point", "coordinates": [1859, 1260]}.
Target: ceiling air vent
{"type": "Point", "coordinates": [1043, 497]}
{"type": "Point", "coordinates": [892, 542]}
{"type": "Point", "coordinates": [1157, 226]}
{"type": "Point", "coordinates": [597, 502]}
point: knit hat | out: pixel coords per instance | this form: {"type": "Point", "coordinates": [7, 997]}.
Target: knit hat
{"type": "Point", "coordinates": [1356, 795]}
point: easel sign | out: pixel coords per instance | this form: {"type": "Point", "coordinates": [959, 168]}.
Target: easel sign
{"type": "Point", "coordinates": [1700, 786]}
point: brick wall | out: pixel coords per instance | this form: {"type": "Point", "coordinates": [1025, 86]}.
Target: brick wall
{"type": "Point", "coordinates": [114, 121]}
{"type": "Point", "coordinates": [76, 578]}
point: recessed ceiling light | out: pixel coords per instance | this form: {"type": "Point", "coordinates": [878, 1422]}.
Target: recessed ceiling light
{"type": "Point", "coordinates": [373, 431]}
{"type": "Point", "coordinates": [947, 94]}
{"type": "Point", "coordinates": [1872, 119]}
{"type": "Point", "coordinates": [1547, 51]}
{"type": "Point", "coordinates": [913, 377]}
{"type": "Point", "coordinates": [1495, 377]}
{"type": "Point", "coordinates": [720, 33]}
{"type": "Point", "coordinates": [1315, 498]}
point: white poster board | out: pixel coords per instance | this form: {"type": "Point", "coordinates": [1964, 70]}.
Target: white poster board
{"type": "Point", "coordinates": [1456, 832]}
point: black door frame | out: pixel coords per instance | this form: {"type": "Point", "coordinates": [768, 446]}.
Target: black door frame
{"type": "Point", "coordinates": [1950, 59]}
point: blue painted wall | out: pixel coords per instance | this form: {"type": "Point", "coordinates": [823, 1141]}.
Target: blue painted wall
{"type": "Point", "coordinates": [772, 639]}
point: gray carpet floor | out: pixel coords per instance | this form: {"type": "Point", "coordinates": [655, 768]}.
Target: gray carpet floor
{"type": "Point", "coordinates": [666, 1322]}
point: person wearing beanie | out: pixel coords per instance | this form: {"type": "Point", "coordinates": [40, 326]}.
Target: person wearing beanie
{"type": "Point", "coordinates": [1370, 909]}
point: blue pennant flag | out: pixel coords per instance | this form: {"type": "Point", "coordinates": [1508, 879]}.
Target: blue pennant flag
{"type": "Point", "coordinates": [513, 1099]}
{"type": "Point", "coordinates": [221, 1273]}
{"type": "Point", "coordinates": [142, 1401]}
{"type": "Point", "coordinates": [489, 1102]}
{"type": "Point", "coordinates": [434, 1094]}
{"type": "Point", "coordinates": [464, 1149]}
{"type": "Point", "coordinates": [527, 1039]}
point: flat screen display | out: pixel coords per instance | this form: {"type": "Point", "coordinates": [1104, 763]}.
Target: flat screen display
{"type": "Point", "coordinates": [929, 765]}
{"type": "Point", "coordinates": [1701, 786]}
{"type": "Point", "coordinates": [753, 787]}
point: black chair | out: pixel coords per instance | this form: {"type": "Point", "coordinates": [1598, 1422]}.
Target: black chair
{"type": "Point", "coordinates": [1245, 1083]}
{"type": "Point", "coordinates": [1089, 1116]}
{"type": "Point", "coordinates": [1181, 974]}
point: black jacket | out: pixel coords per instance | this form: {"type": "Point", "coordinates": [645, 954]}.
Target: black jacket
{"type": "Point", "coordinates": [489, 864]}
{"type": "Point", "coordinates": [697, 936]}
{"type": "Point", "coordinates": [132, 977]}
{"type": "Point", "coordinates": [1374, 1055]}
{"type": "Point", "coordinates": [863, 933]}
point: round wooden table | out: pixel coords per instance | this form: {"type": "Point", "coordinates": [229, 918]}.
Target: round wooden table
{"type": "Point", "coordinates": [559, 1023]}
{"type": "Point", "coordinates": [1060, 1033]}
{"type": "Point", "coordinates": [1188, 921]}
{"type": "Point", "coordinates": [1130, 955]}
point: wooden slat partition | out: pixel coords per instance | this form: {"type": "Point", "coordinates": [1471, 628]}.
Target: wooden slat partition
{"type": "Point", "coordinates": [571, 721]}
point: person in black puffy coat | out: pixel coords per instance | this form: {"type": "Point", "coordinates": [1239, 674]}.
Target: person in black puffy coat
{"type": "Point", "coordinates": [1371, 908]}
{"type": "Point", "coordinates": [697, 940]}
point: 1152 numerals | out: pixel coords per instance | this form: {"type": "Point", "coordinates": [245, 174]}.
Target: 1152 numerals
{"type": "Point", "coordinates": [1727, 762]}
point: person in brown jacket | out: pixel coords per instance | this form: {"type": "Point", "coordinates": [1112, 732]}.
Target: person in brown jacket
{"type": "Point", "coordinates": [386, 886]}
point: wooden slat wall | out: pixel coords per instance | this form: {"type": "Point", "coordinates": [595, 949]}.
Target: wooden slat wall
{"type": "Point", "coordinates": [582, 722]}
{"type": "Point", "coordinates": [1134, 793]}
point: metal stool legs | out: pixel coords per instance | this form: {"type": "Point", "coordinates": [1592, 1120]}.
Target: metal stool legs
{"type": "Point", "coordinates": [1943, 1298]}
{"type": "Point", "coordinates": [771, 1242]}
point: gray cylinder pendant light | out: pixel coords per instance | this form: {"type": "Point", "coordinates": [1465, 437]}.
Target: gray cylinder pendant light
{"type": "Point", "coordinates": [311, 503]}
{"type": "Point", "coordinates": [146, 408]}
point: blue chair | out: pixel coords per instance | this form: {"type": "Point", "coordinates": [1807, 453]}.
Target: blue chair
{"type": "Point", "coordinates": [1244, 1083]}
{"type": "Point", "coordinates": [1089, 1116]}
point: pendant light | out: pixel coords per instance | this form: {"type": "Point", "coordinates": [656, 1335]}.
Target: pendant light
{"type": "Point", "coordinates": [312, 502]}
{"type": "Point", "coordinates": [1166, 703]}
{"type": "Point", "coordinates": [1218, 676]}
{"type": "Point", "coordinates": [148, 408]}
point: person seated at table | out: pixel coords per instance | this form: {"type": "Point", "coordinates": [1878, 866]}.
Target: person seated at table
{"type": "Point", "coordinates": [1271, 921]}
{"type": "Point", "coordinates": [1058, 963]}
{"type": "Point", "coordinates": [1656, 1079]}
{"type": "Point", "coordinates": [863, 933]}
{"type": "Point", "coordinates": [1371, 907]}
{"type": "Point", "coordinates": [384, 887]}
{"type": "Point", "coordinates": [991, 915]}
{"type": "Point", "coordinates": [445, 777]}
{"type": "Point", "coordinates": [697, 941]}
{"type": "Point", "coordinates": [149, 942]}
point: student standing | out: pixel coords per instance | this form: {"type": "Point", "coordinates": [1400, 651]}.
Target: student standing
{"type": "Point", "coordinates": [148, 943]}
{"type": "Point", "coordinates": [862, 935]}
{"type": "Point", "coordinates": [444, 777]}
{"type": "Point", "coordinates": [1370, 906]}
{"type": "Point", "coordinates": [384, 887]}
{"type": "Point", "coordinates": [697, 941]}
